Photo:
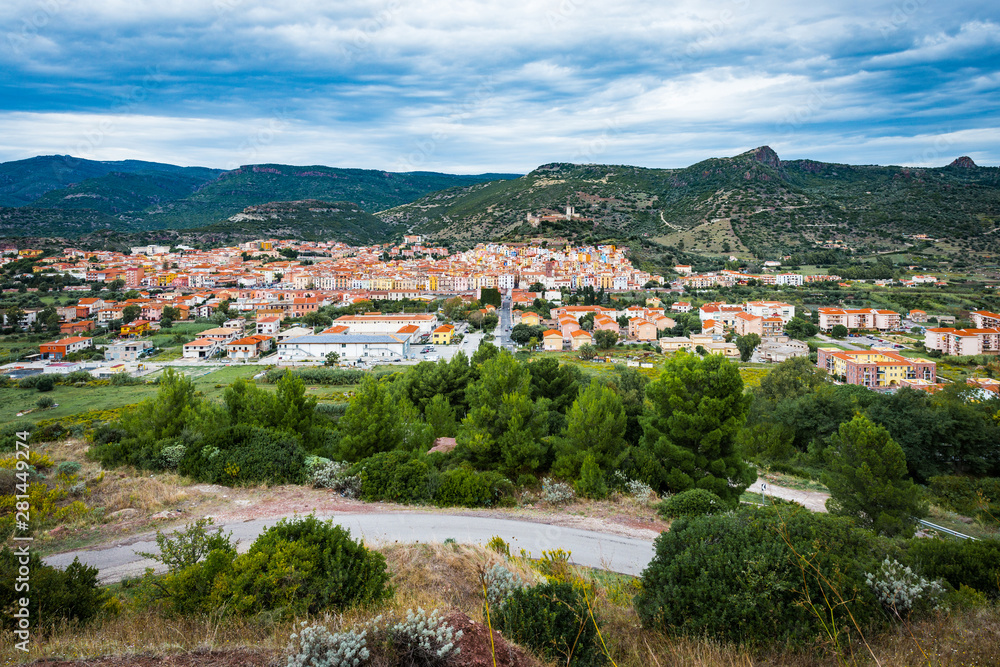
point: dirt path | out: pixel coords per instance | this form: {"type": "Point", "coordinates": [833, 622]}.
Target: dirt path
{"type": "Point", "coordinates": [812, 500]}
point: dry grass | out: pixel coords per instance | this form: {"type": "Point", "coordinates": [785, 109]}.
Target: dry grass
{"type": "Point", "coordinates": [141, 493]}
{"type": "Point", "coordinates": [446, 576]}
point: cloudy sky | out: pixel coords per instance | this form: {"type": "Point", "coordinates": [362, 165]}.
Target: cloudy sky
{"type": "Point", "coordinates": [474, 85]}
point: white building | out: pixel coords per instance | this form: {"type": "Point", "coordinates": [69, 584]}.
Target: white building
{"type": "Point", "coordinates": [350, 347]}
{"type": "Point", "coordinates": [388, 323]}
{"type": "Point", "coordinates": [126, 350]}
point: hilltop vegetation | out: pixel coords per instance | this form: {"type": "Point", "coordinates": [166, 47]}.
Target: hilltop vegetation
{"type": "Point", "coordinates": [66, 197]}
{"type": "Point", "coordinates": [753, 202]}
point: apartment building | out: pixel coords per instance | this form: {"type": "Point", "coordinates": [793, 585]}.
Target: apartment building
{"type": "Point", "coordinates": [961, 342]}
{"type": "Point", "coordinates": [874, 368]}
{"type": "Point", "coordinates": [862, 318]}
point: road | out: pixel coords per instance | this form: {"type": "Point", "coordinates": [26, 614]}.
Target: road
{"type": "Point", "coordinates": [842, 343]}
{"type": "Point", "coordinates": [588, 548]}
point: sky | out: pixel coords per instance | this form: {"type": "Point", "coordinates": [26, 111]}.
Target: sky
{"type": "Point", "coordinates": [476, 86]}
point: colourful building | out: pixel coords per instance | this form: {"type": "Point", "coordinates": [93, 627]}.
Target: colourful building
{"type": "Point", "coordinates": [874, 368]}
{"type": "Point", "coordinates": [443, 335]}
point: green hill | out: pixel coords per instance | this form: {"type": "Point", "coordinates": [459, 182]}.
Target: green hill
{"type": "Point", "coordinates": [64, 196]}
{"type": "Point", "coordinates": [750, 203]}
{"type": "Point", "coordinates": [23, 182]}
{"type": "Point", "coordinates": [120, 193]}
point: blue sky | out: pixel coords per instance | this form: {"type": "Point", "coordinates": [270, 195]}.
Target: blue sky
{"type": "Point", "coordinates": [479, 86]}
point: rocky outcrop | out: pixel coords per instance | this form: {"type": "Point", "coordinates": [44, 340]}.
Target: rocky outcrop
{"type": "Point", "coordinates": [964, 162]}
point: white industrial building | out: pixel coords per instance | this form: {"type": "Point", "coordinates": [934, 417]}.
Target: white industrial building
{"type": "Point", "coordinates": [388, 323]}
{"type": "Point", "coordinates": [350, 347]}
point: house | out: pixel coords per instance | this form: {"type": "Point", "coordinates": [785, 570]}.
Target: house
{"type": "Point", "coordinates": [641, 329]}
{"type": "Point", "coordinates": [918, 316]}
{"type": "Point", "coordinates": [552, 340]}
{"type": "Point", "coordinates": [202, 348]}
{"type": "Point", "coordinates": [268, 325]}
{"type": "Point", "coordinates": [579, 338]}
{"type": "Point", "coordinates": [126, 350]}
{"type": "Point", "coordinates": [76, 327]}
{"type": "Point", "coordinates": [249, 347]}
{"type": "Point", "coordinates": [60, 348]}
{"type": "Point", "coordinates": [681, 307]}
{"type": "Point", "coordinates": [670, 345]}
{"type": "Point", "coordinates": [443, 335]}
{"type": "Point", "coordinates": [136, 328]}
{"type": "Point", "coordinates": [531, 319]}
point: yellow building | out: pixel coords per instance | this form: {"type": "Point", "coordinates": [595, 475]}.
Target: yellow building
{"type": "Point", "coordinates": [530, 318]}
{"type": "Point", "coordinates": [443, 335]}
{"type": "Point", "coordinates": [874, 368]}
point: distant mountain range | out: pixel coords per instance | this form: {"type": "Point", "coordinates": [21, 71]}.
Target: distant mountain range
{"type": "Point", "coordinates": [65, 196]}
{"type": "Point", "coordinates": [751, 204]}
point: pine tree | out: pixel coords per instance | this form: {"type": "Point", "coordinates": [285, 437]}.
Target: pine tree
{"type": "Point", "coordinates": [868, 481]}
{"type": "Point", "coordinates": [699, 406]}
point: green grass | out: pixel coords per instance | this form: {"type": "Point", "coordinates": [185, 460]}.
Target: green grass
{"type": "Point", "coordinates": [70, 400]}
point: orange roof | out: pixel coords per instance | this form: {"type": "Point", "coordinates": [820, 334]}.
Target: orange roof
{"type": "Point", "coordinates": [579, 333]}
{"type": "Point", "coordinates": [552, 332]}
{"type": "Point", "coordinates": [408, 329]}
{"type": "Point", "coordinates": [444, 328]}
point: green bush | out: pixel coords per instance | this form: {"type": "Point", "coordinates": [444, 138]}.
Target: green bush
{"type": "Point", "coordinates": [553, 619]}
{"type": "Point", "coordinates": [693, 502]}
{"type": "Point", "coordinates": [972, 563]}
{"type": "Point", "coordinates": [468, 488]}
{"type": "Point", "coordinates": [243, 454]}
{"type": "Point", "coordinates": [56, 595]}
{"type": "Point", "coordinates": [735, 576]}
{"type": "Point", "coordinates": [395, 476]}
{"type": "Point", "coordinates": [971, 496]}
{"type": "Point", "coordinates": [303, 566]}
{"type": "Point", "coordinates": [591, 483]}
{"type": "Point", "coordinates": [319, 375]}
{"type": "Point", "coordinates": [45, 383]}
{"type": "Point", "coordinates": [8, 434]}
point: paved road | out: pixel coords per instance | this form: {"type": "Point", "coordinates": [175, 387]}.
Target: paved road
{"type": "Point", "coordinates": [588, 548]}
{"type": "Point", "coordinates": [845, 343]}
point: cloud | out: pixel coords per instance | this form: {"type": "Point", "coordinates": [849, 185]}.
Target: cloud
{"type": "Point", "coordinates": [483, 86]}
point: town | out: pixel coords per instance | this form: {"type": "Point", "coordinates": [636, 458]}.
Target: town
{"type": "Point", "coordinates": [265, 299]}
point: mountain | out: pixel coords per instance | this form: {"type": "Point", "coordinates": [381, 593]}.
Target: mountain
{"type": "Point", "coordinates": [252, 185]}
{"type": "Point", "coordinates": [23, 182]}
{"type": "Point", "coordinates": [53, 196]}
{"type": "Point", "coordinates": [750, 203]}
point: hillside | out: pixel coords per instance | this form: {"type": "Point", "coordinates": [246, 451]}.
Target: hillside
{"type": "Point", "coordinates": [751, 203]}
{"type": "Point", "coordinates": [62, 196]}
{"type": "Point", "coordinates": [23, 182]}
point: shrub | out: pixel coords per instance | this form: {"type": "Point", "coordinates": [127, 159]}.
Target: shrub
{"type": "Point", "coordinates": [900, 589]}
{"type": "Point", "coordinates": [693, 502]}
{"type": "Point", "coordinates": [335, 475]}
{"type": "Point", "coordinates": [972, 563]}
{"type": "Point", "coordinates": [761, 575]}
{"type": "Point", "coordinates": [556, 493]}
{"type": "Point", "coordinates": [319, 375]}
{"type": "Point", "coordinates": [56, 595]}
{"type": "Point", "coordinates": [45, 402]}
{"type": "Point", "coordinates": [45, 383]}
{"type": "Point", "coordinates": [394, 476]}
{"type": "Point", "coordinates": [967, 495]}
{"type": "Point", "coordinates": [591, 483]}
{"type": "Point", "coordinates": [500, 584]}
{"type": "Point", "coordinates": [184, 548]}
{"type": "Point", "coordinates": [8, 434]}
{"type": "Point", "coordinates": [424, 639]}
{"type": "Point", "coordinates": [315, 646]}
{"type": "Point", "coordinates": [68, 468]}
{"type": "Point", "coordinates": [468, 488]}
{"type": "Point", "coordinates": [244, 454]}
{"type": "Point", "coordinates": [172, 455]}
{"type": "Point", "coordinates": [498, 545]}
{"type": "Point", "coordinates": [553, 619]}
{"type": "Point", "coordinates": [302, 566]}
